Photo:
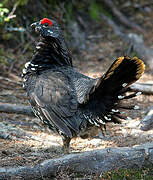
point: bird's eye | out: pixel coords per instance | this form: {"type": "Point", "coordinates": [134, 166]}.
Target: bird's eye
{"type": "Point", "coordinates": [45, 24]}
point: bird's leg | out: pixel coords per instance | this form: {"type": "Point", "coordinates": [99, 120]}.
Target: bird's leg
{"type": "Point", "coordinates": [103, 129]}
{"type": "Point", "coordinates": [66, 144]}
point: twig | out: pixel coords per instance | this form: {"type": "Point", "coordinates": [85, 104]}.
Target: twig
{"type": "Point", "coordinates": [26, 47]}
{"type": "Point", "coordinates": [138, 5]}
{"type": "Point", "coordinates": [17, 78]}
{"type": "Point", "coordinates": [9, 80]}
{"type": "Point", "coordinates": [141, 87]}
{"type": "Point", "coordinates": [11, 14]}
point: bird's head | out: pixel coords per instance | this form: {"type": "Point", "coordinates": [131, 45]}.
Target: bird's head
{"type": "Point", "coordinates": [52, 38]}
{"type": "Point", "coordinates": [46, 28]}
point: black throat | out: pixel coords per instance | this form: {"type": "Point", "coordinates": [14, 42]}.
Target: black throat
{"type": "Point", "coordinates": [51, 51]}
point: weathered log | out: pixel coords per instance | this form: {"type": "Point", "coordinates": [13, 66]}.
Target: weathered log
{"type": "Point", "coordinates": [121, 18]}
{"type": "Point", "coordinates": [92, 162]}
{"type": "Point", "coordinates": [18, 109]}
{"type": "Point", "coordinates": [147, 122]}
{"type": "Point", "coordinates": [145, 53]}
{"type": "Point", "coordinates": [141, 87]}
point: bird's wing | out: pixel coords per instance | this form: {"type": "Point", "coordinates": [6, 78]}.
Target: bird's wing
{"type": "Point", "coordinates": [83, 85]}
{"type": "Point", "coordinates": [55, 97]}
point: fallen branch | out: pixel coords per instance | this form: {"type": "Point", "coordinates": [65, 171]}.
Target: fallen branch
{"type": "Point", "coordinates": [123, 19]}
{"type": "Point", "coordinates": [141, 87]}
{"type": "Point", "coordinates": [18, 109]}
{"type": "Point", "coordinates": [145, 53]}
{"type": "Point", "coordinates": [97, 161]}
{"type": "Point", "coordinates": [9, 131]}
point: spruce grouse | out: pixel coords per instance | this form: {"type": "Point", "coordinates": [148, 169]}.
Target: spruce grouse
{"type": "Point", "coordinates": [67, 101]}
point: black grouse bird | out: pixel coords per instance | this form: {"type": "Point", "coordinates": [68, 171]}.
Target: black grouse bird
{"type": "Point", "coordinates": [69, 102]}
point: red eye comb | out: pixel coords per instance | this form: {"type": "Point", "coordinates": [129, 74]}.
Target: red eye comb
{"type": "Point", "coordinates": [48, 21]}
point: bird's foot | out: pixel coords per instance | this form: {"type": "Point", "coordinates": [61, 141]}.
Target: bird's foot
{"type": "Point", "coordinates": [66, 144]}
{"type": "Point", "coordinates": [65, 150]}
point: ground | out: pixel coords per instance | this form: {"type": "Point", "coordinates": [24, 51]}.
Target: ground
{"type": "Point", "coordinates": [25, 141]}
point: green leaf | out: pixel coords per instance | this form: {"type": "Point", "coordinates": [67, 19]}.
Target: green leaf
{"type": "Point", "coordinates": [94, 10]}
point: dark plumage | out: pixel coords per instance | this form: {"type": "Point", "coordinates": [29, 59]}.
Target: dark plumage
{"type": "Point", "coordinates": [67, 101]}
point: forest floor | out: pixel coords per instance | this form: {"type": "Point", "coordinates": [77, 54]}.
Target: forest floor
{"type": "Point", "coordinates": [24, 140]}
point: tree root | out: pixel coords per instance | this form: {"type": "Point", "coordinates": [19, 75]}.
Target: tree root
{"type": "Point", "coordinates": [147, 122]}
{"type": "Point", "coordinates": [121, 18]}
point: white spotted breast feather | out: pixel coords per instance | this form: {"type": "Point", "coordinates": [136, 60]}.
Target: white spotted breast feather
{"type": "Point", "coordinates": [28, 68]}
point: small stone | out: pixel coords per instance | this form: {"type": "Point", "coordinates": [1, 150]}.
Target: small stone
{"type": "Point", "coordinates": [120, 97]}
{"type": "Point", "coordinates": [124, 84]}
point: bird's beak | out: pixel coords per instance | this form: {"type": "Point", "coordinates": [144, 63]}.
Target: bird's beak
{"type": "Point", "coordinates": [33, 25]}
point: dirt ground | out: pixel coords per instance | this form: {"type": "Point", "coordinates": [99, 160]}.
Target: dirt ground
{"type": "Point", "coordinates": [24, 140]}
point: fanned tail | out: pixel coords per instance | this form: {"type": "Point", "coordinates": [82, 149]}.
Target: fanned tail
{"type": "Point", "coordinates": [107, 100]}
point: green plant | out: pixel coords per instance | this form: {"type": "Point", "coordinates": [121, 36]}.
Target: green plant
{"type": "Point", "coordinates": [3, 14]}
{"type": "Point", "coordinates": [94, 10]}
{"type": "Point", "coordinates": [69, 12]}
{"type": "Point", "coordinates": [128, 174]}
